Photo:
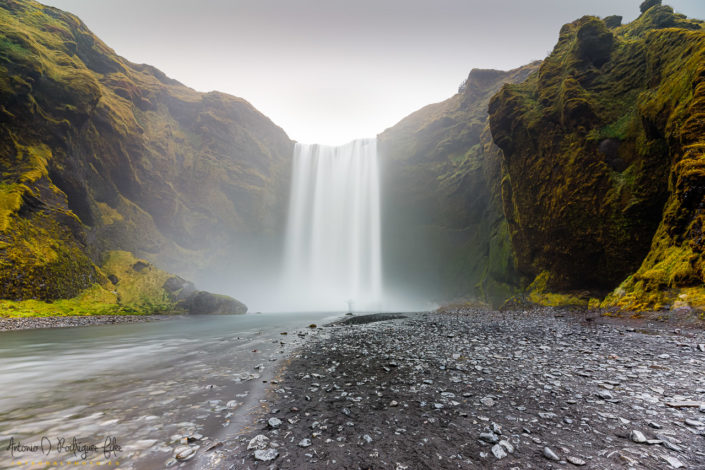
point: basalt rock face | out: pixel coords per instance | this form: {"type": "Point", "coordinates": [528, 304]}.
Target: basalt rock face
{"type": "Point", "coordinates": [603, 151]}
{"type": "Point", "coordinates": [444, 234]}
{"type": "Point", "coordinates": [97, 154]}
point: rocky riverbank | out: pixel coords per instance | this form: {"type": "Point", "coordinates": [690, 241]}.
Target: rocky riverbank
{"type": "Point", "coordinates": [478, 389]}
{"type": "Point", "coordinates": [28, 323]}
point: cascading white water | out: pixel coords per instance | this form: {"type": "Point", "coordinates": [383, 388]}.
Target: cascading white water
{"type": "Point", "coordinates": [333, 257]}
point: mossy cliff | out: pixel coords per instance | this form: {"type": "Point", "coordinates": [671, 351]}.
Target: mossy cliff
{"type": "Point", "coordinates": [603, 151]}
{"type": "Point", "coordinates": [444, 233]}
{"type": "Point", "coordinates": [98, 154]}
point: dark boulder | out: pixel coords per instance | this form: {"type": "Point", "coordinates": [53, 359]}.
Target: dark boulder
{"type": "Point", "coordinates": [613, 21]}
{"type": "Point", "coordinates": [205, 303]}
{"type": "Point", "coordinates": [648, 4]}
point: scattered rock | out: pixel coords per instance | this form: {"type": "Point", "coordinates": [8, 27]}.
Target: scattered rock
{"type": "Point", "coordinates": [498, 451]}
{"type": "Point", "coordinates": [550, 455]}
{"type": "Point", "coordinates": [266, 455]}
{"type": "Point", "coordinates": [185, 452]}
{"type": "Point", "coordinates": [578, 462]}
{"type": "Point", "coordinates": [487, 401]}
{"type": "Point", "coordinates": [304, 443]}
{"type": "Point", "coordinates": [685, 404]}
{"type": "Point", "coordinates": [274, 423]}
{"type": "Point", "coordinates": [605, 395]}
{"type": "Point", "coordinates": [637, 436]}
{"type": "Point", "coordinates": [507, 446]}
{"type": "Point", "coordinates": [673, 462]}
{"type": "Point", "coordinates": [489, 437]}
{"type": "Point", "coordinates": [259, 442]}
{"type": "Point", "coordinates": [491, 387]}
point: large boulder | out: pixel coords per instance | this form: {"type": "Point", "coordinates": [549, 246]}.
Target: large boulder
{"type": "Point", "coordinates": [205, 303]}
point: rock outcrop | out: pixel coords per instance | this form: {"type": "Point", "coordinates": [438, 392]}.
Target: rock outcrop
{"type": "Point", "coordinates": [603, 151]}
{"type": "Point", "coordinates": [100, 154]}
{"type": "Point", "coordinates": [445, 235]}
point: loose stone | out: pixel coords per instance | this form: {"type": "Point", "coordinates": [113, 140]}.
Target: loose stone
{"type": "Point", "coordinates": [550, 455]}
{"type": "Point", "coordinates": [266, 455]}
{"type": "Point", "coordinates": [637, 436]}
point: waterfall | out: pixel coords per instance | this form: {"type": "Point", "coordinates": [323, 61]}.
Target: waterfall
{"type": "Point", "coordinates": [333, 241]}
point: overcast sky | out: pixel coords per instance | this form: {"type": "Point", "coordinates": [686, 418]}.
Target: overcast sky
{"type": "Point", "coordinates": [329, 71]}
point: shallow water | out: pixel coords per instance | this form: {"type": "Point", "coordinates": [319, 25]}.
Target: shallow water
{"type": "Point", "coordinates": [142, 384]}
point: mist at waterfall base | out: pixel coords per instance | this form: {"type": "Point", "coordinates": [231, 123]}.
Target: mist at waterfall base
{"type": "Point", "coordinates": [330, 256]}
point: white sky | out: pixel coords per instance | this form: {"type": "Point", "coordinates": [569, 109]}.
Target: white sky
{"type": "Point", "coordinates": [329, 71]}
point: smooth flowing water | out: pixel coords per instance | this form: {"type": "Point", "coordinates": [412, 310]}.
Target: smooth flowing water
{"type": "Point", "coordinates": [146, 385]}
{"type": "Point", "coordinates": [333, 240]}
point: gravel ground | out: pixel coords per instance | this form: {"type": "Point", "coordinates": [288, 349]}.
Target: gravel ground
{"type": "Point", "coordinates": [28, 323]}
{"type": "Point", "coordinates": [478, 389]}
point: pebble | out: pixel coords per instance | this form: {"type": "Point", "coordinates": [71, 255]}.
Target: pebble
{"type": "Point", "coordinates": [673, 462]}
{"type": "Point", "coordinates": [487, 401]}
{"type": "Point", "coordinates": [266, 455]}
{"type": "Point", "coordinates": [550, 455]}
{"type": "Point", "coordinates": [507, 446]}
{"type": "Point", "coordinates": [184, 452]}
{"type": "Point", "coordinates": [259, 442]}
{"type": "Point", "coordinates": [304, 442]}
{"type": "Point", "coordinates": [498, 451]}
{"type": "Point", "coordinates": [578, 462]}
{"type": "Point", "coordinates": [605, 395]}
{"type": "Point", "coordinates": [274, 423]}
{"type": "Point", "coordinates": [489, 437]}
{"type": "Point", "coordinates": [637, 436]}
{"type": "Point", "coordinates": [694, 423]}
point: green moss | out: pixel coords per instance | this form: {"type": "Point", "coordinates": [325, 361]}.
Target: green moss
{"type": "Point", "coordinates": [138, 291]}
{"type": "Point", "coordinates": [91, 141]}
{"type": "Point", "coordinates": [602, 152]}
{"type": "Point", "coordinates": [10, 202]}
{"type": "Point", "coordinates": [139, 283]}
{"type": "Point", "coordinates": [538, 293]}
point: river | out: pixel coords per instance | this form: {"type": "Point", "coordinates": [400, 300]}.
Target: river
{"type": "Point", "coordinates": [141, 388]}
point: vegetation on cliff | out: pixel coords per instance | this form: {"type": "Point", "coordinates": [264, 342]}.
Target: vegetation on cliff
{"type": "Point", "coordinates": [98, 154]}
{"type": "Point", "coordinates": [602, 150]}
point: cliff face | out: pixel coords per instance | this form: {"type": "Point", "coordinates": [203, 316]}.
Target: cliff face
{"type": "Point", "coordinates": [603, 155]}
{"type": "Point", "coordinates": [97, 153]}
{"type": "Point", "coordinates": [444, 232]}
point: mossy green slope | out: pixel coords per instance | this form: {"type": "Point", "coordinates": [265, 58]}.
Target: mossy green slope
{"type": "Point", "coordinates": [97, 154]}
{"type": "Point", "coordinates": [138, 289]}
{"type": "Point", "coordinates": [445, 235]}
{"type": "Point", "coordinates": [602, 151]}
